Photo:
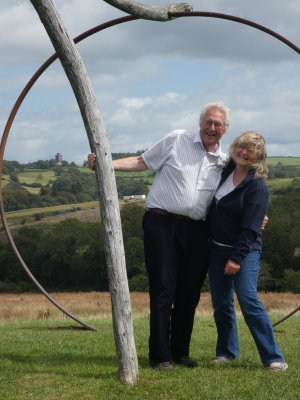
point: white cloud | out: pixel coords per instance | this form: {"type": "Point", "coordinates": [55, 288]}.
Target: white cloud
{"type": "Point", "coordinates": [151, 77]}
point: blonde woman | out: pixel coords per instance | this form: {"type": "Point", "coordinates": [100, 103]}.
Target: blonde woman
{"type": "Point", "coordinates": [235, 219]}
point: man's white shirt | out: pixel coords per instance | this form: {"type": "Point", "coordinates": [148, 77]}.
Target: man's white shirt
{"type": "Point", "coordinates": [187, 176]}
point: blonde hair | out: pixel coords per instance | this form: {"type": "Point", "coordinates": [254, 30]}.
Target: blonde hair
{"type": "Point", "coordinates": [252, 140]}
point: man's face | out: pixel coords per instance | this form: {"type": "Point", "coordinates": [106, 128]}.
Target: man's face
{"type": "Point", "coordinates": [212, 128]}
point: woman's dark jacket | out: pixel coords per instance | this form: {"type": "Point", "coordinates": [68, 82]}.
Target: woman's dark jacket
{"type": "Point", "coordinates": [236, 218]}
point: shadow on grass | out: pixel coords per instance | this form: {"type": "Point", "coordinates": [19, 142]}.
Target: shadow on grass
{"type": "Point", "coordinates": [100, 366]}
{"type": "Point", "coordinates": [59, 328]}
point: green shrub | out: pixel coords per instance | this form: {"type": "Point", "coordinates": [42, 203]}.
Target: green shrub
{"type": "Point", "coordinates": [139, 283]}
{"type": "Point", "coordinates": [291, 281]}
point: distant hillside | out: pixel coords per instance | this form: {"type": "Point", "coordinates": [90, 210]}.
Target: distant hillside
{"type": "Point", "coordinates": [33, 185]}
{"type": "Point", "coordinates": [25, 187]}
{"type": "Point", "coordinates": [283, 160]}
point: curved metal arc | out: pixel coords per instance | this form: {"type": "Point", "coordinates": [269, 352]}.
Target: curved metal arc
{"type": "Point", "coordinates": [236, 19]}
{"type": "Point", "coordinates": [39, 73]}
{"type": "Point", "coordinates": [37, 284]}
{"type": "Point", "coordinates": [36, 76]}
{"type": "Point", "coordinates": [286, 317]}
{"type": "Point", "coordinates": [6, 131]}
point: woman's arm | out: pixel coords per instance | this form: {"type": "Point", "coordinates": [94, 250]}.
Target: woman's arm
{"type": "Point", "coordinates": [256, 206]}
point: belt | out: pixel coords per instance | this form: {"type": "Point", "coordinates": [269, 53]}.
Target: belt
{"type": "Point", "coordinates": [165, 212]}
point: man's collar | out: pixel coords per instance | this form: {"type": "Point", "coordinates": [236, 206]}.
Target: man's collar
{"type": "Point", "coordinates": [197, 139]}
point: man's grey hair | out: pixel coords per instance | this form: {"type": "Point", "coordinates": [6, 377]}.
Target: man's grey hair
{"type": "Point", "coordinates": [216, 104]}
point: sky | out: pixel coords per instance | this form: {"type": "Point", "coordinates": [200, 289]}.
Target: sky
{"type": "Point", "coordinates": [151, 77]}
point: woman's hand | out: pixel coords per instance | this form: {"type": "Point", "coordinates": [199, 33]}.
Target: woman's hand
{"type": "Point", "coordinates": [231, 268]}
{"type": "Point", "coordinates": [264, 223]}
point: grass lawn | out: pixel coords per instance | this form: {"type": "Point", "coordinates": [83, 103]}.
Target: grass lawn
{"type": "Point", "coordinates": [48, 360]}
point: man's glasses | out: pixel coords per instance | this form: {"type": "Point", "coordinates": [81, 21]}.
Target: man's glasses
{"type": "Point", "coordinates": [218, 125]}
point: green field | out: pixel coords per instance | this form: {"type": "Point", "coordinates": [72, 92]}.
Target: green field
{"type": "Point", "coordinates": [85, 169]}
{"type": "Point", "coordinates": [49, 210]}
{"type": "Point", "coordinates": [15, 217]}
{"type": "Point", "coordinates": [35, 176]}
{"type": "Point", "coordinates": [278, 183]}
{"type": "Point", "coordinates": [283, 160]}
{"type": "Point", "coordinates": [44, 176]}
{"type": "Point", "coordinates": [56, 360]}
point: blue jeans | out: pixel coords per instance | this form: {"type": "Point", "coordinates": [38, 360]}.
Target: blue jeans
{"type": "Point", "coordinates": [245, 285]}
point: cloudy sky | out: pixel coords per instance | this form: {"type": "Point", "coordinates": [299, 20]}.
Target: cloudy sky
{"type": "Point", "coordinates": [152, 77]}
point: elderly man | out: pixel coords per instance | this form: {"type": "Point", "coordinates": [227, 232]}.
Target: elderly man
{"type": "Point", "coordinates": [188, 168]}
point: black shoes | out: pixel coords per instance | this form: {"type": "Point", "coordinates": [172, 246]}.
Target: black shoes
{"type": "Point", "coordinates": [186, 361]}
{"type": "Point", "coordinates": [161, 366]}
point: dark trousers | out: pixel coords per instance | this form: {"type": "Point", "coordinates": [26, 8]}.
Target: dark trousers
{"type": "Point", "coordinates": [176, 255]}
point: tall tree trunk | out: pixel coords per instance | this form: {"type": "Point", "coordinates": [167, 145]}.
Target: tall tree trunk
{"type": "Point", "coordinates": [108, 198]}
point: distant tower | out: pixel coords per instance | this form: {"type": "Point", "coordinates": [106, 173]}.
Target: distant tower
{"type": "Point", "coordinates": [58, 159]}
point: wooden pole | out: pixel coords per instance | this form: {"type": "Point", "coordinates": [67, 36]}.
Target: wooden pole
{"type": "Point", "coordinates": [108, 198]}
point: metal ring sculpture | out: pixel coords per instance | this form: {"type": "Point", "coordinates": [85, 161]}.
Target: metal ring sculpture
{"type": "Point", "coordinates": [40, 71]}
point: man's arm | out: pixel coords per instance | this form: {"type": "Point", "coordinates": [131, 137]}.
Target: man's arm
{"type": "Point", "coordinates": [129, 164]}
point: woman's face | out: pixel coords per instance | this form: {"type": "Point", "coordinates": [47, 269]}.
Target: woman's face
{"type": "Point", "coordinates": [244, 157]}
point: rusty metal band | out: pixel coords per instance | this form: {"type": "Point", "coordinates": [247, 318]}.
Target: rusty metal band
{"type": "Point", "coordinates": [6, 131]}
{"type": "Point", "coordinates": [235, 19]}
{"type": "Point", "coordinates": [287, 316]}
{"type": "Point", "coordinates": [40, 71]}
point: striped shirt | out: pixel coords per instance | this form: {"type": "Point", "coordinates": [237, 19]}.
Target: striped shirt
{"type": "Point", "coordinates": [186, 177]}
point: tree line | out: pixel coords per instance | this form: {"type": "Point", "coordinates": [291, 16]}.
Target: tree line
{"type": "Point", "coordinates": [69, 256]}
{"type": "Point", "coordinates": [283, 171]}
{"type": "Point", "coordinates": [16, 167]}
{"type": "Point", "coordinates": [71, 185]}
{"type": "Point", "coordinates": [10, 167]}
